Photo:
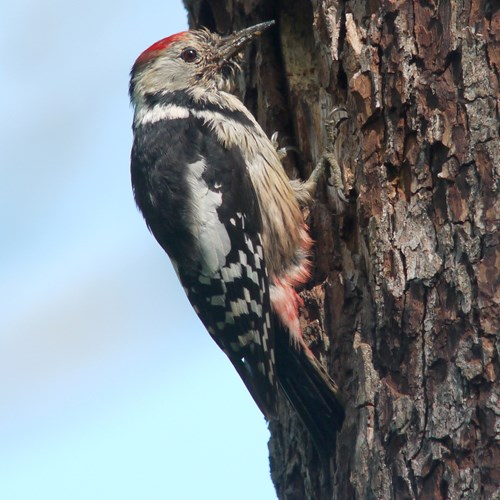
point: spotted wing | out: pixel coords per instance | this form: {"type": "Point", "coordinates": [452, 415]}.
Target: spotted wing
{"type": "Point", "coordinates": [199, 202]}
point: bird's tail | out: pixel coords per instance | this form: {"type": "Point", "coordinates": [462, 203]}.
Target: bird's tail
{"type": "Point", "coordinates": [310, 390]}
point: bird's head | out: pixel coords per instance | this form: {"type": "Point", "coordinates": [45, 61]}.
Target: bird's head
{"type": "Point", "coordinates": [190, 59]}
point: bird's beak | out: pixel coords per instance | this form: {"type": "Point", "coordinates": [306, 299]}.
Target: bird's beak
{"type": "Point", "coordinates": [232, 44]}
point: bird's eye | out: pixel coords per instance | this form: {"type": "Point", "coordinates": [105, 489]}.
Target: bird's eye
{"type": "Point", "coordinates": [189, 55]}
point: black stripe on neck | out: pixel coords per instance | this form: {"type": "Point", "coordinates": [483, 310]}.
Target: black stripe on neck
{"type": "Point", "coordinates": [183, 99]}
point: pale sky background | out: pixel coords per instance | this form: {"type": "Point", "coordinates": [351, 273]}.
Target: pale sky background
{"type": "Point", "coordinates": [110, 388]}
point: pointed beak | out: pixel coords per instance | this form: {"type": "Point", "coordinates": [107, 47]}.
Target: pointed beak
{"type": "Point", "coordinates": [232, 44]}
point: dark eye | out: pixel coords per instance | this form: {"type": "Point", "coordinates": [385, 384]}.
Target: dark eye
{"type": "Point", "coordinates": [189, 55]}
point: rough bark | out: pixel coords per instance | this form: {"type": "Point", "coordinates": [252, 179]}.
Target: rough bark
{"type": "Point", "coordinates": [406, 280]}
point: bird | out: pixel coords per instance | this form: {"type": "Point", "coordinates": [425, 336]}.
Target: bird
{"type": "Point", "coordinates": [212, 189]}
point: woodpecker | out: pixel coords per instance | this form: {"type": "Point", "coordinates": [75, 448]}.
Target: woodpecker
{"type": "Point", "coordinates": [213, 192]}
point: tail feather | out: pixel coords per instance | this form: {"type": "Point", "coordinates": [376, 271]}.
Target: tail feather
{"type": "Point", "coordinates": [310, 390]}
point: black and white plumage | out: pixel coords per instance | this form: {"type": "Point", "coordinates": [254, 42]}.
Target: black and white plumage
{"type": "Point", "coordinates": [215, 247]}
{"type": "Point", "coordinates": [215, 196]}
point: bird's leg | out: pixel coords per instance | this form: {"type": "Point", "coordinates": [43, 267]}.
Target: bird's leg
{"type": "Point", "coordinates": [282, 152]}
{"type": "Point", "coordinates": [327, 166]}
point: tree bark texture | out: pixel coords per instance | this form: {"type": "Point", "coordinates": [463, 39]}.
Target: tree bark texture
{"type": "Point", "coordinates": [403, 307]}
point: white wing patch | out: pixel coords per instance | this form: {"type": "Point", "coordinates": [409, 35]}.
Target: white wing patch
{"type": "Point", "coordinates": [208, 230]}
{"type": "Point", "coordinates": [231, 273]}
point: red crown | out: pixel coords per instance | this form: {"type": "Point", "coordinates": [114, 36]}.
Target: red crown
{"type": "Point", "coordinates": [158, 46]}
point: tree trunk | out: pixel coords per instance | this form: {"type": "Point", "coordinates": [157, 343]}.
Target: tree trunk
{"type": "Point", "coordinates": [406, 270]}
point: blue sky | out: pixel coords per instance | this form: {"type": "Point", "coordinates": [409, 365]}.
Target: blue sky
{"type": "Point", "coordinates": [110, 387]}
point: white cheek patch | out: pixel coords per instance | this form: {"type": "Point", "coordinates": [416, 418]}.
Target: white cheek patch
{"type": "Point", "coordinates": [157, 113]}
{"type": "Point", "coordinates": [209, 231]}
